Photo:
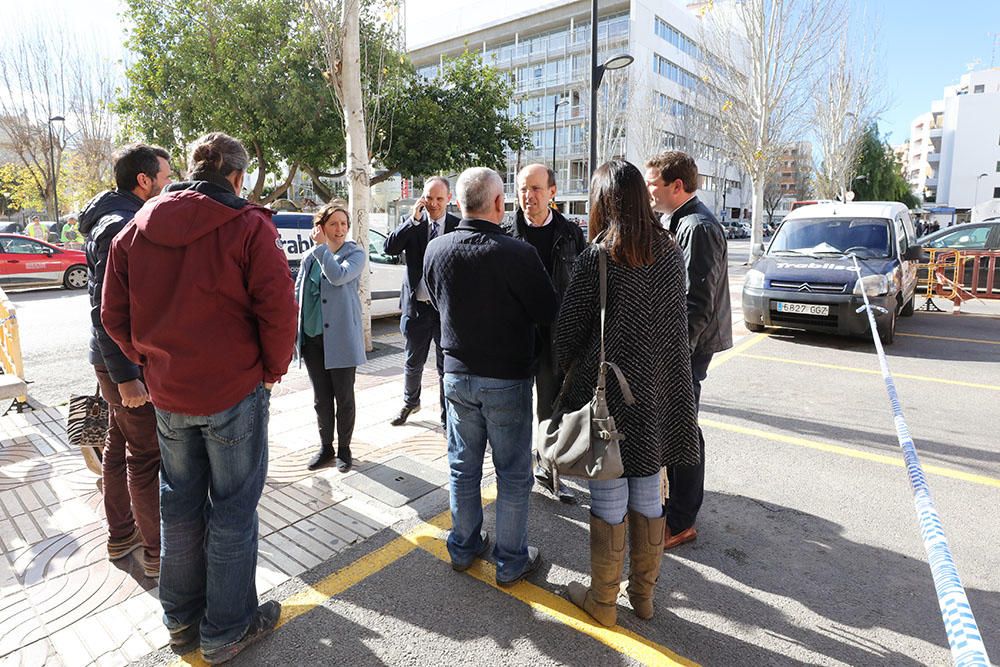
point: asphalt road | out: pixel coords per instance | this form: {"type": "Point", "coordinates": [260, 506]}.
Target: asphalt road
{"type": "Point", "coordinates": [809, 550]}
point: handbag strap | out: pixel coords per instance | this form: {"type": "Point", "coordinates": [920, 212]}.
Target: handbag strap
{"type": "Point", "coordinates": [604, 364]}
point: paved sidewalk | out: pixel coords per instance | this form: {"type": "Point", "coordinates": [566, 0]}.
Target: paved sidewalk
{"type": "Point", "coordinates": [63, 603]}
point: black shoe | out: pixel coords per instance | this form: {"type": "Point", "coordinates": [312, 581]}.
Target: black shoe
{"type": "Point", "coordinates": [322, 458]}
{"type": "Point", "coordinates": [534, 562]}
{"type": "Point", "coordinates": [344, 465]}
{"type": "Point", "coordinates": [404, 414]}
{"type": "Point", "coordinates": [263, 621]}
{"type": "Point", "coordinates": [485, 537]}
{"type": "Point", "coordinates": [563, 493]}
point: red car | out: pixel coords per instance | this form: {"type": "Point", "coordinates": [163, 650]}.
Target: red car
{"type": "Point", "coordinates": [28, 262]}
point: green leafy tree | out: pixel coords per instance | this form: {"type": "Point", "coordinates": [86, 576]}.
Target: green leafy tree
{"type": "Point", "coordinates": [245, 68]}
{"type": "Point", "coordinates": [456, 120]}
{"type": "Point", "coordinates": [18, 189]}
{"type": "Point", "coordinates": [880, 175]}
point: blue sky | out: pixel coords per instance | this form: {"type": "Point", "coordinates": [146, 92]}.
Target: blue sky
{"type": "Point", "coordinates": [926, 46]}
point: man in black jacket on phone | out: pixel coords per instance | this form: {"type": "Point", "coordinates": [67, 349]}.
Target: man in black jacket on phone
{"type": "Point", "coordinates": [672, 179]}
{"type": "Point", "coordinates": [419, 322]}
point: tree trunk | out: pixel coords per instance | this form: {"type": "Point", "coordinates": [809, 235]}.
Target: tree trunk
{"type": "Point", "coordinates": [323, 192]}
{"type": "Point", "coordinates": [756, 220]}
{"type": "Point", "coordinates": [348, 78]}
{"type": "Point", "coordinates": [258, 187]}
{"type": "Point", "coordinates": [283, 188]}
{"type": "Point", "coordinates": [385, 176]}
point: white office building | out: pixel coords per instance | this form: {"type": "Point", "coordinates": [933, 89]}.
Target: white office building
{"type": "Point", "coordinates": [952, 160]}
{"type": "Point", "coordinates": [545, 50]}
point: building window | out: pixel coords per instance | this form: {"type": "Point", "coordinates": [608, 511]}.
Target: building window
{"type": "Point", "coordinates": [979, 89]}
{"type": "Point", "coordinates": [998, 165]}
{"type": "Point", "coordinates": [674, 72]}
{"type": "Point", "coordinates": [672, 35]}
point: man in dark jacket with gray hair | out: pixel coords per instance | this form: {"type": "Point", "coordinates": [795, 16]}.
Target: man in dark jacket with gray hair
{"type": "Point", "coordinates": [131, 456]}
{"type": "Point", "coordinates": [672, 179]}
{"type": "Point", "coordinates": [492, 292]}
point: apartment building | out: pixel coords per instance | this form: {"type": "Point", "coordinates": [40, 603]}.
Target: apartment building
{"type": "Point", "coordinates": [546, 53]}
{"type": "Point", "coordinates": [952, 159]}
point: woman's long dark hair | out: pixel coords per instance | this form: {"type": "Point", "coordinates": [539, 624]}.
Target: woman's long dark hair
{"type": "Point", "coordinates": [620, 211]}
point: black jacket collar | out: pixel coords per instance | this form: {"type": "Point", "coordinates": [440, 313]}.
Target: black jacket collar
{"type": "Point", "coordinates": [477, 225]}
{"type": "Point", "coordinates": [686, 209]}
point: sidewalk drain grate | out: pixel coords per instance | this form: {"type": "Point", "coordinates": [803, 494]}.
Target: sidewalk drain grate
{"type": "Point", "coordinates": [398, 481]}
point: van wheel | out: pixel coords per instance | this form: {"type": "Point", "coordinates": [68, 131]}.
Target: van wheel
{"type": "Point", "coordinates": [887, 333]}
{"type": "Point", "coordinates": [907, 310]}
{"type": "Point", "coordinates": [752, 326]}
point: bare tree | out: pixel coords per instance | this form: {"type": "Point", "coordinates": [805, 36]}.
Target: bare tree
{"type": "Point", "coordinates": [772, 199]}
{"type": "Point", "coordinates": [644, 119]}
{"type": "Point", "coordinates": [763, 57]}
{"type": "Point", "coordinates": [33, 72]}
{"type": "Point", "coordinates": [843, 106]}
{"type": "Point", "coordinates": [613, 114]}
{"type": "Point", "coordinates": [339, 25]}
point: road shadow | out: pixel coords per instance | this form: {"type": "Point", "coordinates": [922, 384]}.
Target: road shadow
{"type": "Point", "coordinates": [880, 441]}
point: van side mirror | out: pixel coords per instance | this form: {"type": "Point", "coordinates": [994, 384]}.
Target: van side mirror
{"type": "Point", "coordinates": [914, 254]}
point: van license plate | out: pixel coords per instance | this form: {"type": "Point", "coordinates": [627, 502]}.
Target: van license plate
{"type": "Point", "coordinates": [803, 308]}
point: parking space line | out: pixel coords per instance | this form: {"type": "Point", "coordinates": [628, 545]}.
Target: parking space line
{"type": "Point", "coordinates": [951, 338]}
{"type": "Point", "coordinates": [624, 641]}
{"type": "Point", "coordinates": [867, 371]}
{"type": "Point", "coordinates": [427, 537]}
{"type": "Point", "coordinates": [941, 471]}
{"type": "Point", "coordinates": [745, 344]}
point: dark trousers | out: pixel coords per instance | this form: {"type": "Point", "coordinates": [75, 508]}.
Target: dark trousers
{"type": "Point", "coordinates": [419, 329]}
{"type": "Point", "coordinates": [131, 469]}
{"type": "Point", "coordinates": [333, 395]}
{"type": "Point", "coordinates": [687, 483]}
{"type": "Point", "coordinates": [548, 378]}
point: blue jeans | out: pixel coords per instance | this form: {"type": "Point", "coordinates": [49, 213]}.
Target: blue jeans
{"type": "Point", "coordinates": [212, 475]}
{"type": "Point", "coordinates": [611, 498]}
{"type": "Point", "coordinates": [482, 409]}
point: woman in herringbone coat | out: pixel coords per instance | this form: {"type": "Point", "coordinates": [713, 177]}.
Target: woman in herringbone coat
{"type": "Point", "coordinates": [646, 336]}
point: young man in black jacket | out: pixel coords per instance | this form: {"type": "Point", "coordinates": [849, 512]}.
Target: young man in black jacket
{"type": "Point", "coordinates": [419, 322]}
{"type": "Point", "coordinates": [672, 179]}
{"type": "Point", "coordinates": [492, 293]}
{"type": "Point", "coordinates": [131, 456]}
{"type": "Point", "coordinates": [558, 242]}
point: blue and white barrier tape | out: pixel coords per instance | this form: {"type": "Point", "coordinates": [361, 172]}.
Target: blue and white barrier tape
{"type": "Point", "coordinates": [967, 648]}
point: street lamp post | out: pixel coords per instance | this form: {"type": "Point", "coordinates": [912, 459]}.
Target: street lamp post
{"type": "Point", "coordinates": [978, 178]}
{"type": "Point", "coordinates": [555, 109]}
{"type": "Point", "coordinates": [52, 164]}
{"type": "Point", "coordinates": [596, 76]}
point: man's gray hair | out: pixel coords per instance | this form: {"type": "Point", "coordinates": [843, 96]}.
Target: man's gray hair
{"type": "Point", "coordinates": [477, 188]}
{"type": "Point", "coordinates": [437, 179]}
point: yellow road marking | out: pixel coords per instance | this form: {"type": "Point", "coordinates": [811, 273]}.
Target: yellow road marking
{"type": "Point", "coordinates": [427, 537]}
{"type": "Point", "coordinates": [957, 340]}
{"type": "Point", "coordinates": [618, 638]}
{"type": "Point", "coordinates": [983, 480]}
{"type": "Point", "coordinates": [868, 371]}
{"type": "Point", "coordinates": [745, 344]}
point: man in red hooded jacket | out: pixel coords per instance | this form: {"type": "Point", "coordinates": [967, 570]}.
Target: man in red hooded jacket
{"type": "Point", "coordinates": [198, 292]}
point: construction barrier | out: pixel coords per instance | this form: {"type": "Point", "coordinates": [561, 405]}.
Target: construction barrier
{"type": "Point", "coordinates": [958, 276]}
{"type": "Point", "coordinates": [964, 637]}
{"type": "Point", "coordinates": [12, 384]}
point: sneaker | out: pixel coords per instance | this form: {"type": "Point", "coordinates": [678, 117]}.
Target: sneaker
{"type": "Point", "coordinates": [534, 562]}
{"type": "Point", "coordinates": [118, 549]}
{"type": "Point", "coordinates": [263, 621]}
{"type": "Point", "coordinates": [150, 565]}
{"type": "Point", "coordinates": [485, 537]}
{"type": "Point", "coordinates": [404, 414]}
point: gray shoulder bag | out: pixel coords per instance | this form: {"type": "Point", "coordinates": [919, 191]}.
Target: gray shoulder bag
{"type": "Point", "coordinates": [584, 443]}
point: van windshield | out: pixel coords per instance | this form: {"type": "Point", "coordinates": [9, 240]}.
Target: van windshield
{"type": "Point", "coordinates": [865, 237]}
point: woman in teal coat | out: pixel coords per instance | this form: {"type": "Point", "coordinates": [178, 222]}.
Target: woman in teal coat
{"type": "Point", "coordinates": [331, 341]}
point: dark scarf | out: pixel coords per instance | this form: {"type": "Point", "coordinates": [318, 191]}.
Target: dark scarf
{"type": "Point", "coordinates": [212, 176]}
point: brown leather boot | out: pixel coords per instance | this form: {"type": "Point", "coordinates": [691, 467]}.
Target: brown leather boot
{"type": "Point", "coordinates": [607, 557]}
{"type": "Point", "coordinates": [645, 553]}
